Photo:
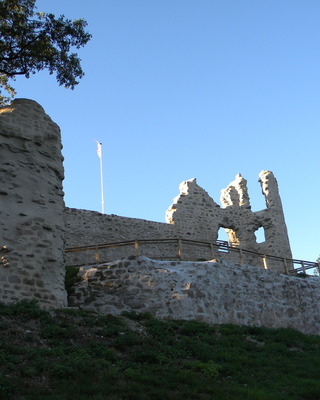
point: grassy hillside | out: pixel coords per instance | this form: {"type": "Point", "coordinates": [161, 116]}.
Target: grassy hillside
{"type": "Point", "coordinates": [78, 355]}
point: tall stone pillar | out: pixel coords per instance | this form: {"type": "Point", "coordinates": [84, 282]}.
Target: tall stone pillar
{"type": "Point", "coordinates": [274, 222]}
{"type": "Point", "coordinates": [31, 206]}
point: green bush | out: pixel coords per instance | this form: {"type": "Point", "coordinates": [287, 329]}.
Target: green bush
{"type": "Point", "coordinates": [71, 278]}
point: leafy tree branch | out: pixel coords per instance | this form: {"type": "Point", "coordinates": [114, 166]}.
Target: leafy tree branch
{"type": "Point", "coordinates": [32, 41]}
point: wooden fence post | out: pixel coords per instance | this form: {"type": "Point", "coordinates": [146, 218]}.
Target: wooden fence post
{"type": "Point", "coordinates": [179, 249]}
{"type": "Point", "coordinates": [97, 255]}
{"type": "Point", "coordinates": [240, 256]}
{"type": "Point", "coordinates": [136, 248]}
{"type": "Point", "coordinates": [212, 251]}
{"type": "Point", "coordinates": [285, 266]}
{"type": "Point", "coordinates": [264, 260]}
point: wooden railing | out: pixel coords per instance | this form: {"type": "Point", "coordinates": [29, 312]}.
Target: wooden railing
{"type": "Point", "coordinates": [289, 266]}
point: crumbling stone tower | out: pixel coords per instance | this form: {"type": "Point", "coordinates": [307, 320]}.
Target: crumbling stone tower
{"type": "Point", "coordinates": [31, 206]}
{"type": "Point", "coordinates": [199, 217]}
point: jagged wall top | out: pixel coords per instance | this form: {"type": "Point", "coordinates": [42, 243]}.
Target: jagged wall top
{"type": "Point", "coordinates": [194, 207]}
{"type": "Point", "coordinates": [195, 215]}
{"type": "Point", "coordinates": [236, 194]}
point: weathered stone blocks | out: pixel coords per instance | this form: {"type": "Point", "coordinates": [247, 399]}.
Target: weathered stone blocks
{"type": "Point", "coordinates": [196, 216]}
{"type": "Point", "coordinates": [31, 206]}
{"type": "Point", "coordinates": [214, 292]}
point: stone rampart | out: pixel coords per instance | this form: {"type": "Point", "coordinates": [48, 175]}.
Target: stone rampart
{"type": "Point", "coordinates": [214, 292]}
{"type": "Point", "coordinates": [31, 206]}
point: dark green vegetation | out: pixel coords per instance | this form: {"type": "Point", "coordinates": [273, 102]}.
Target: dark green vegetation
{"type": "Point", "coordinates": [71, 278]}
{"type": "Point", "coordinates": [71, 354]}
{"type": "Point", "coordinates": [32, 41]}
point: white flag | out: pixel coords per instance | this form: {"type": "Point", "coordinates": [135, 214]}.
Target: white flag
{"type": "Point", "coordinates": [99, 149]}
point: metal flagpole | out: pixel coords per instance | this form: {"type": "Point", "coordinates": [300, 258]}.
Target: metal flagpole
{"type": "Point", "coordinates": [99, 152]}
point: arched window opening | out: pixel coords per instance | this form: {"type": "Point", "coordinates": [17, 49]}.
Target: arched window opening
{"type": "Point", "coordinates": [223, 240]}
{"type": "Point", "coordinates": [222, 234]}
{"type": "Point", "coordinates": [260, 235]}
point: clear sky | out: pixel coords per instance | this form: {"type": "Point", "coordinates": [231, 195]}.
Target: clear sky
{"type": "Point", "coordinates": [177, 89]}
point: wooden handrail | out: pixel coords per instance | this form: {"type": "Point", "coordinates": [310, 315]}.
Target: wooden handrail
{"type": "Point", "coordinates": [220, 244]}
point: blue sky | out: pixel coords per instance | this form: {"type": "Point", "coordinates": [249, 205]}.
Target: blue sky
{"type": "Point", "coordinates": [177, 89]}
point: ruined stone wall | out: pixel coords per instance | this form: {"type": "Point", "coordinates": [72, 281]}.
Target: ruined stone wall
{"type": "Point", "coordinates": [196, 216]}
{"type": "Point", "coordinates": [31, 206]}
{"type": "Point", "coordinates": [194, 212]}
{"type": "Point", "coordinates": [214, 292]}
{"type": "Point", "coordinates": [85, 227]}
{"type": "Point", "coordinates": [89, 227]}
{"type": "Point", "coordinates": [196, 208]}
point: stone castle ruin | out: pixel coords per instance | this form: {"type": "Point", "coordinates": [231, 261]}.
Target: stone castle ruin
{"type": "Point", "coordinates": [194, 215]}
{"type": "Point", "coordinates": [194, 210]}
{"type": "Point", "coordinates": [36, 228]}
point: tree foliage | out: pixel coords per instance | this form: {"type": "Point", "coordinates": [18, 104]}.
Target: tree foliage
{"type": "Point", "coordinates": [32, 41]}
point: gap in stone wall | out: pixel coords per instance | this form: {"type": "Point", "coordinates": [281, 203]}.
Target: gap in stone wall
{"type": "Point", "coordinates": [222, 234]}
{"type": "Point", "coordinates": [260, 235]}
{"type": "Point", "coordinates": [257, 199]}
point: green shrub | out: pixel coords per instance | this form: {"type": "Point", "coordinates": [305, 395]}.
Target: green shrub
{"type": "Point", "coordinates": [301, 275]}
{"type": "Point", "coordinates": [71, 278]}
{"type": "Point", "coordinates": [137, 316]}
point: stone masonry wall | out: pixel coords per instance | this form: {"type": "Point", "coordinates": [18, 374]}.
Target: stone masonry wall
{"type": "Point", "coordinates": [89, 227]}
{"type": "Point", "coordinates": [195, 209]}
{"type": "Point", "coordinates": [214, 292]}
{"type": "Point", "coordinates": [31, 206]}
{"type": "Point", "coordinates": [85, 227]}
{"type": "Point", "coordinates": [194, 215]}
